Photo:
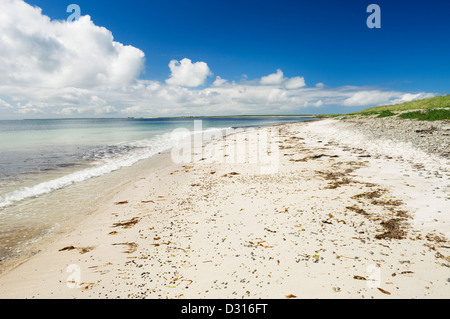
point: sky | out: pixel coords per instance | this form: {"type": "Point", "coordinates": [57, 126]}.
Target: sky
{"type": "Point", "coordinates": [192, 57]}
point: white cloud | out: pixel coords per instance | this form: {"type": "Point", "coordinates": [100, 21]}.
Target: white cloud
{"type": "Point", "coordinates": [377, 97]}
{"type": "Point", "coordinates": [219, 81]}
{"type": "Point", "coordinates": [188, 74]}
{"type": "Point", "coordinates": [295, 83]}
{"type": "Point", "coordinates": [320, 85]}
{"type": "Point", "coordinates": [273, 79]}
{"type": "Point", "coordinates": [278, 79]}
{"type": "Point", "coordinates": [40, 52]}
{"type": "Point", "coordinates": [5, 105]}
{"type": "Point", "coordinates": [407, 97]}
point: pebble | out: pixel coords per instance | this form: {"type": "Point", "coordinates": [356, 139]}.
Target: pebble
{"type": "Point", "coordinates": [430, 137]}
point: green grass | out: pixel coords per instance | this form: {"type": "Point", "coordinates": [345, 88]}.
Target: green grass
{"type": "Point", "coordinates": [385, 114]}
{"type": "Point", "coordinates": [327, 115]}
{"type": "Point", "coordinates": [437, 102]}
{"type": "Point", "coordinates": [435, 105]}
{"type": "Point", "coordinates": [428, 115]}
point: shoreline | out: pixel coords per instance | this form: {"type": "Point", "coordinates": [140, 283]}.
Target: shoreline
{"type": "Point", "coordinates": [121, 178]}
{"type": "Point", "coordinates": [318, 227]}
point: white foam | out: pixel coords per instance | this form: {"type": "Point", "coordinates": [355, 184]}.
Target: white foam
{"type": "Point", "coordinates": [145, 150]}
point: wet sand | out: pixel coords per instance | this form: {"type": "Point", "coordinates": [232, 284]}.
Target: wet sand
{"type": "Point", "coordinates": [326, 221]}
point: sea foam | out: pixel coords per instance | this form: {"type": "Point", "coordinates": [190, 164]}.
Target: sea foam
{"type": "Point", "coordinates": [138, 150]}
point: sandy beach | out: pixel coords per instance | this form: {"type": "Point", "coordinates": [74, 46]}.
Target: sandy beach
{"type": "Point", "coordinates": [337, 215]}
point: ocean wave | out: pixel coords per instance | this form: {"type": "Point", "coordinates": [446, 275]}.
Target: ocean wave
{"type": "Point", "coordinates": [106, 160]}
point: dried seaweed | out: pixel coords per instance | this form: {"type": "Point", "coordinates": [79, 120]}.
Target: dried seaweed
{"type": "Point", "coordinates": [358, 210]}
{"type": "Point", "coordinates": [128, 223]}
{"type": "Point", "coordinates": [393, 230]}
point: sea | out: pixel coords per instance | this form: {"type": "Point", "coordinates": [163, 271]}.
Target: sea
{"type": "Point", "coordinates": [54, 170]}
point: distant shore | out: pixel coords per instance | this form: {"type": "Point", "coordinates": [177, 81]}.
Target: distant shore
{"type": "Point", "coordinates": [343, 210]}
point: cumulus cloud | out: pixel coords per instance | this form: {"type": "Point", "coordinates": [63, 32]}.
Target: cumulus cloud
{"type": "Point", "coordinates": [407, 97]}
{"type": "Point", "coordinates": [278, 79]}
{"type": "Point", "coordinates": [295, 83]}
{"type": "Point", "coordinates": [219, 81]}
{"type": "Point", "coordinates": [273, 79]}
{"type": "Point", "coordinates": [37, 51]}
{"type": "Point", "coordinates": [188, 74]}
{"type": "Point", "coordinates": [377, 97]}
{"type": "Point", "coordinates": [320, 85]}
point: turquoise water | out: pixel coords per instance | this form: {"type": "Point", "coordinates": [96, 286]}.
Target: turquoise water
{"type": "Point", "coordinates": [48, 164]}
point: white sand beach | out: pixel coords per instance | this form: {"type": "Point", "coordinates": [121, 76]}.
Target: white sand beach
{"type": "Point", "coordinates": [338, 216]}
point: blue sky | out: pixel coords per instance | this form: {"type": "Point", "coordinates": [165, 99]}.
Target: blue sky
{"type": "Point", "coordinates": [322, 41]}
{"type": "Point", "coordinates": [325, 41]}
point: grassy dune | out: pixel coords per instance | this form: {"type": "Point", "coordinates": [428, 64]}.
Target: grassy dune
{"type": "Point", "coordinates": [432, 109]}
{"type": "Point", "coordinates": [437, 102]}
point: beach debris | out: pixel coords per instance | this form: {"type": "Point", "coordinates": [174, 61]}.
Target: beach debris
{"type": "Point", "coordinates": [81, 250]}
{"type": "Point", "coordinates": [357, 210]}
{"type": "Point", "coordinates": [316, 156]}
{"type": "Point", "coordinates": [435, 238]}
{"type": "Point", "coordinates": [439, 255]}
{"type": "Point", "coordinates": [84, 250]}
{"type": "Point", "coordinates": [359, 278]}
{"type": "Point", "coordinates": [315, 258]}
{"type": "Point", "coordinates": [87, 285]}
{"type": "Point", "coordinates": [132, 247]}
{"type": "Point", "coordinates": [286, 210]}
{"type": "Point", "coordinates": [290, 296]}
{"type": "Point", "coordinates": [157, 245]}
{"type": "Point", "coordinates": [340, 256]}
{"type": "Point", "coordinates": [259, 244]}
{"type": "Point", "coordinates": [322, 155]}
{"type": "Point", "coordinates": [230, 174]}
{"type": "Point", "coordinates": [393, 230]}
{"type": "Point", "coordinates": [121, 203]}
{"type": "Point", "coordinates": [271, 231]}
{"type": "Point", "coordinates": [147, 201]}
{"type": "Point", "coordinates": [384, 291]}
{"type": "Point", "coordinates": [127, 223]}
{"type": "Point", "coordinates": [386, 202]}
{"type": "Point", "coordinates": [371, 195]}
